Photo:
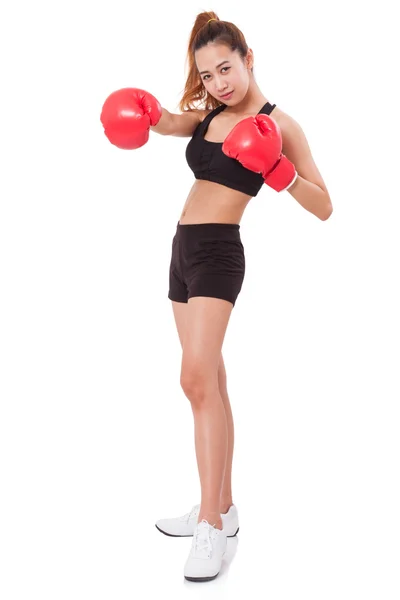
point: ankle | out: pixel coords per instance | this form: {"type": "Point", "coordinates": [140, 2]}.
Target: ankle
{"type": "Point", "coordinates": [213, 518]}
{"type": "Point", "coordinates": [225, 505]}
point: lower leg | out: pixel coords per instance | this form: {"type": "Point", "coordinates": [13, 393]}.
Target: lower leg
{"type": "Point", "coordinates": [226, 491]}
{"type": "Point", "coordinates": [211, 438]}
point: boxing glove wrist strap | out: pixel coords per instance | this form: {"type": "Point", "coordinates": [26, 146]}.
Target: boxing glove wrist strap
{"type": "Point", "coordinates": [282, 176]}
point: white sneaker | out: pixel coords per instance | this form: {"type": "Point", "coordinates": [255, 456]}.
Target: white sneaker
{"type": "Point", "coordinates": [205, 557]}
{"type": "Point", "coordinates": [185, 526]}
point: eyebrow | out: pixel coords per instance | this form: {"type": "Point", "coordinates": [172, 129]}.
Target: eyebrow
{"type": "Point", "coordinates": [220, 64]}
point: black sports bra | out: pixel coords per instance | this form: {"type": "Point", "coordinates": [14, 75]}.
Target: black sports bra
{"type": "Point", "coordinates": [207, 160]}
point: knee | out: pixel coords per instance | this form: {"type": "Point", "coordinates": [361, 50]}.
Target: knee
{"type": "Point", "coordinates": [197, 383]}
{"type": "Point", "coordinates": [192, 383]}
{"type": "Point", "coordinates": [221, 377]}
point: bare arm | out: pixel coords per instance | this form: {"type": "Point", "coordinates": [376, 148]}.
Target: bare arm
{"type": "Point", "coordinates": [309, 189]}
{"type": "Point", "coordinates": [182, 125]}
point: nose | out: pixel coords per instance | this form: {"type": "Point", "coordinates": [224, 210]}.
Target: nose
{"type": "Point", "coordinates": [220, 85]}
{"type": "Point", "coordinates": [221, 90]}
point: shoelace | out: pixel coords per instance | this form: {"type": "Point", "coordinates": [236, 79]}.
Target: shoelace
{"type": "Point", "coordinates": [194, 512]}
{"type": "Point", "coordinates": [202, 538]}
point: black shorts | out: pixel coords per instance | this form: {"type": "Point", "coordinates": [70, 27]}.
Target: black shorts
{"type": "Point", "coordinates": [207, 260]}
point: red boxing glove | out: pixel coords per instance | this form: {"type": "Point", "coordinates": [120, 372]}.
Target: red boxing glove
{"type": "Point", "coordinates": [256, 142]}
{"type": "Point", "coordinates": [127, 115]}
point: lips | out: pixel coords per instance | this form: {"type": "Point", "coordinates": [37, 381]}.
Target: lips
{"type": "Point", "coordinates": [226, 95]}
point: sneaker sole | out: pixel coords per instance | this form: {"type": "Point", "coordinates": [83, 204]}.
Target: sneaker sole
{"type": "Point", "coordinates": [199, 578]}
{"type": "Point", "coordinates": [174, 535]}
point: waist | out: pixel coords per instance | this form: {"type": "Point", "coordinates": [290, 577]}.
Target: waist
{"type": "Point", "coordinates": [190, 233]}
{"type": "Point", "coordinates": [207, 226]}
{"type": "Point", "coordinates": [210, 202]}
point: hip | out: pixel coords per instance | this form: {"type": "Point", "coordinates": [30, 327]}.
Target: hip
{"type": "Point", "coordinates": [217, 245]}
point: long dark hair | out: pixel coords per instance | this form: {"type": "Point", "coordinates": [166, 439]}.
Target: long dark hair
{"type": "Point", "coordinates": [203, 32]}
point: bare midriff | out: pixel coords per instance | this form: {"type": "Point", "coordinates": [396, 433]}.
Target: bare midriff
{"type": "Point", "coordinates": [210, 202]}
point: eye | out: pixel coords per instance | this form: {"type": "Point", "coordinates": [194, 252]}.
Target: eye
{"type": "Point", "coordinates": [221, 70]}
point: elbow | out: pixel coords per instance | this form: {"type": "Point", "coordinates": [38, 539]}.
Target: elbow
{"type": "Point", "coordinates": [327, 214]}
{"type": "Point", "coordinates": [328, 210]}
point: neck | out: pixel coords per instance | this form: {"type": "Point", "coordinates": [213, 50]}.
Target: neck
{"type": "Point", "coordinates": [252, 102]}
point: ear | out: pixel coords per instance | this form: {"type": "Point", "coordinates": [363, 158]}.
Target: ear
{"type": "Point", "coordinates": [249, 58]}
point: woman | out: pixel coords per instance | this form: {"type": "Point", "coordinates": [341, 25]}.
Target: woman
{"type": "Point", "coordinates": [235, 148]}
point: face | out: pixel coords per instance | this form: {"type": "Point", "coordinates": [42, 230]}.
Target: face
{"type": "Point", "coordinates": [231, 76]}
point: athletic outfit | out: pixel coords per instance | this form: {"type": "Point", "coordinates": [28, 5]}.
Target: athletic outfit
{"type": "Point", "coordinates": [208, 258]}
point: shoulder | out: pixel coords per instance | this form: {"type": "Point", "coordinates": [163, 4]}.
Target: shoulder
{"type": "Point", "coordinates": [198, 114]}
{"type": "Point", "coordinates": [296, 148]}
{"type": "Point", "coordinates": [289, 127]}
{"type": "Point", "coordinates": [280, 117]}
{"type": "Point", "coordinates": [204, 113]}
{"type": "Point", "coordinates": [186, 123]}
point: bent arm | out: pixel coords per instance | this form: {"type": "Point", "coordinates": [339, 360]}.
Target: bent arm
{"type": "Point", "coordinates": [182, 125]}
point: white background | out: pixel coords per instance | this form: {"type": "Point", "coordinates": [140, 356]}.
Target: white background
{"type": "Point", "coordinates": [96, 435]}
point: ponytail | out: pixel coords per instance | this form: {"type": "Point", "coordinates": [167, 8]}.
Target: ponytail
{"type": "Point", "coordinates": [207, 28]}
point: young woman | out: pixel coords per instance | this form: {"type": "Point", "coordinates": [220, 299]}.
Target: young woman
{"type": "Point", "coordinates": [236, 148]}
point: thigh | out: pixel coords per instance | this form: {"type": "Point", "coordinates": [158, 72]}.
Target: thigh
{"type": "Point", "coordinates": [205, 327]}
{"type": "Point", "coordinates": [180, 316]}
{"type": "Point", "coordinates": [180, 310]}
